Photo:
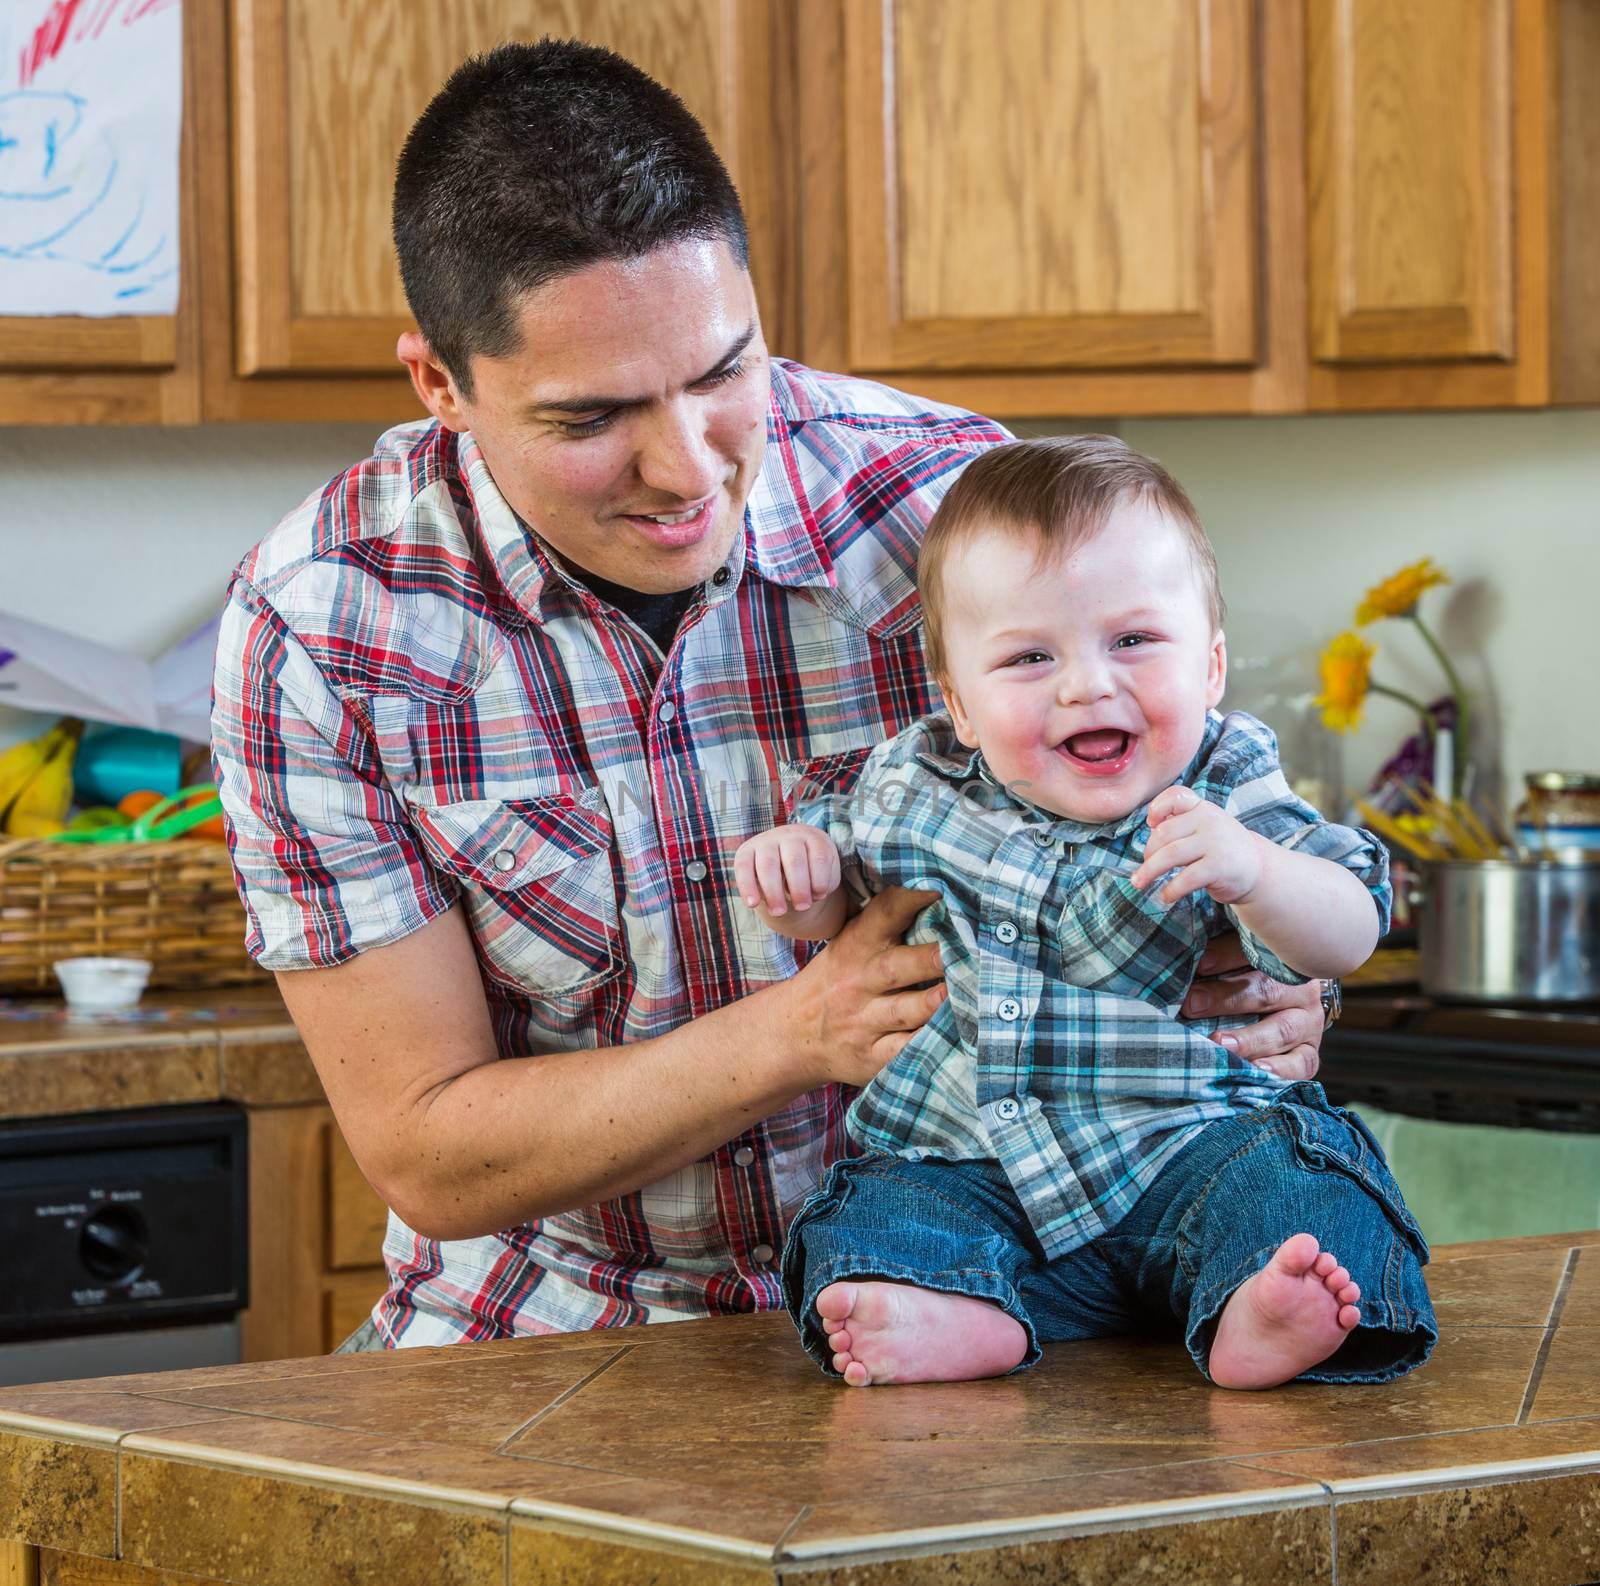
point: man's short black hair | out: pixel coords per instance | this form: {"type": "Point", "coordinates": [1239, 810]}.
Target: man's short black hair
{"type": "Point", "coordinates": [536, 160]}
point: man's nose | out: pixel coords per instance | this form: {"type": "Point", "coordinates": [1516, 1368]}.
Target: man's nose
{"type": "Point", "coordinates": [678, 458]}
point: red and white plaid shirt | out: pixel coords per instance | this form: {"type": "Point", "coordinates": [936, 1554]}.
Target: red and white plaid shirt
{"type": "Point", "coordinates": [416, 707]}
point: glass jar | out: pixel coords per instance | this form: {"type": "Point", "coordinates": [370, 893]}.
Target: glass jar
{"type": "Point", "coordinates": [1561, 814]}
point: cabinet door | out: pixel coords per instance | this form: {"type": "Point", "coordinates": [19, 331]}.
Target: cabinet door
{"type": "Point", "coordinates": [1051, 184]}
{"type": "Point", "coordinates": [124, 369]}
{"type": "Point", "coordinates": [1409, 149]}
{"type": "Point", "coordinates": [325, 91]}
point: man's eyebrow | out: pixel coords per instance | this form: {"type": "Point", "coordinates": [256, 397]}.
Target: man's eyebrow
{"type": "Point", "coordinates": [604, 404]}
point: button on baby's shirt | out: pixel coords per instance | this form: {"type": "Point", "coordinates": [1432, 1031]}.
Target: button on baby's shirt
{"type": "Point", "coordinates": [1007, 1109]}
{"type": "Point", "coordinates": [505, 860]}
{"type": "Point", "coordinates": [1009, 1009]}
{"type": "Point", "coordinates": [666, 711]}
{"type": "Point", "coordinates": [762, 1253]}
{"type": "Point", "coordinates": [1005, 932]}
{"type": "Point", "coordinates": [743, 1157]}
{"type": "Point", "coordinates": [1043, 838]}
{"type": "Point", "coordinates": [695, 870]}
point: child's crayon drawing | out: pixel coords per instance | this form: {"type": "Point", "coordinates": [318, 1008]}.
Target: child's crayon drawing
{"type": "Point", "coordinates": [90, 101]}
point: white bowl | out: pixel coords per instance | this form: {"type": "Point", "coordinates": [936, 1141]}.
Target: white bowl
{"type": "Point", "coordinates": [101, 987]}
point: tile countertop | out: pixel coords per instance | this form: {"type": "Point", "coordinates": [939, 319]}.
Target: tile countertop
{"type": "Point", "coordinates": [713, 1451]}
{"type": "Point", "coordinates": [234, 1044]}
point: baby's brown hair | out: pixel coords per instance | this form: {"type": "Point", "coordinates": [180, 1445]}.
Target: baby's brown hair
{"type": "Point", "coordinates": [1062, 488]}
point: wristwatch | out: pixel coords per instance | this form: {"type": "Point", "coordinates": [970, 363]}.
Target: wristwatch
{"type": "Point", "coordinates": [1332, 1002]}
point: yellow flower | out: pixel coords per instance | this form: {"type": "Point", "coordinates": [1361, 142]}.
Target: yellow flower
{"type": "Point", "coordinates": [1397, 595]}
{"type": "Point", "coordinates": [1346, 666]}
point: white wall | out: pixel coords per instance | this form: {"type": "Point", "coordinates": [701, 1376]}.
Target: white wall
{"type": "Point", "coordinates": [129, 536]}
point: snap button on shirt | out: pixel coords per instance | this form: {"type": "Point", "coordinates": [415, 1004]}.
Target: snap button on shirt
{"type": "Point", "coordinates": [695, 870]}
{"type": "Point", "coordinates": [721, 576]}
{"type": "Point", "coordinates": [743, 1157]}
{"type": "Point", "coordinates": [1007, 1109]}
{"type": "Point", "coordinates": [762, 1253]}
{"type": "Point", "coordinates": [505, 860]}
{"type": "Point", "coordinates": [1005, 932]}
{"type": "Point", "coordinates": [1043, 838]}
{"type": "Point", "coordinates": [667, 711]}
{"type": "Point", "coordinates": [1009, 1009]}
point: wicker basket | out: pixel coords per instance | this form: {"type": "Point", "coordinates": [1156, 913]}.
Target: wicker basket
{"type": "Point", "coordinates": [171, 902]}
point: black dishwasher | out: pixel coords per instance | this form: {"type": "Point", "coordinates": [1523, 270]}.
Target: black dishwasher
{"type": "Point", "coordinates": [122, 1242]}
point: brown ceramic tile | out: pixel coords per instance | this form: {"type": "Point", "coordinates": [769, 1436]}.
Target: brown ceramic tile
{"type": "Point", "coordinates": [1497, 1290]}
{"type": "Point", "coordinates": [1569, 1384]}
{"type": "Point", "coordinates": [144, 1073]}
{"type": "Point", "coordinates": [267, 1068]}
{"type": "Point", "coordinates": [816, 1471]}
{"type": "Point", "coordinates": [750, 1523]}
{"type": "Point", "coordinates": [1204, 1488]}
{"type": "Point", "coordinates": [1289, 1546]}
{"type": "Point", "coordinates": [58, 1493]}
{"type": "Point", "coordinates": [541, 1556]}
{"type": "Point", "coordinates": [1581, 1307]}
{"type": "Point", "coordinates": [1404, 1461]}
{"type": "Point", "coordinates": [271, 1530]}
{"type": "Point", "coordinates": [763, 1390]}
{"type": "Point", "coordinates": [90, 1416]}
{"type": "Point", "coordinates": [469, 1403]}
{"type": "Point", "coordinates": [1525, 1533]}
{"type": "Point", "coordinates": [1509, 1247]}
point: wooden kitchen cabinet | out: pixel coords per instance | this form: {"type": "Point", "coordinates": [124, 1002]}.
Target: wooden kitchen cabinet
{"type": "Point", "coordinates": [144, 369]}
{"type": "Point", "coordinates": [323, 92]}
{"type": "Point", "coordinates": [1078, 207]}
{"type": "Point", "coordinates": [1453, 202]}
{"type": "Point", "coordinates": [316, 1236]}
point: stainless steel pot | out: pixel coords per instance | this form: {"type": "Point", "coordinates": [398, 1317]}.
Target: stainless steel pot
{"type": "Point", "coordinates": [1504, 931]}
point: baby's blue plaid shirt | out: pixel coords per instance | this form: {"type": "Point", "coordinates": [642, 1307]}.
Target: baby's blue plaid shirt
{"type": "Point", "coordinates": [1059, 1052]}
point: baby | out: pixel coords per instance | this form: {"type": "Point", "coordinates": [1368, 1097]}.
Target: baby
{"type": "Point", "coordinates": [1055, 1154]}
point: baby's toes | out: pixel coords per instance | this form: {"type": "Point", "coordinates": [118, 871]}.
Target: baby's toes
{"type": "Point", "coordinates": [1349, 1294]}
{"type": "Point", "coordinates": [1324, 1264]}
{"type": "Point", "coordinates": [1349, 1316]}
{"type": "Point", "coordinates": [1335, 1280]}
{"type": "Point", "coordinates": [830, 1326]}
{"type": "Point", "coordinates": [857, 1375]}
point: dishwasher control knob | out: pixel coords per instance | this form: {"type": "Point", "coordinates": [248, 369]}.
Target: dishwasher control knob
{"type": "Point", "coordinates": [114, 1243]}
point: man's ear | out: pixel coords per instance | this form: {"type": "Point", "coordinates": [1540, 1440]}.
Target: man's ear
{"type": "Point", "coordinates": [1217, 670]}
{"type": "Point", "coordinates": [963, 722]}
{"type": "Point", "coordinates": [431, 380]}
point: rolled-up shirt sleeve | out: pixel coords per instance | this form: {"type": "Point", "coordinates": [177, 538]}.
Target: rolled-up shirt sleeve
{"type": "Point", "coordinates": [325, 860]}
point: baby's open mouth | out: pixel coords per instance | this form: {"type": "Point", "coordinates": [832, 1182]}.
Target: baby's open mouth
{"type": "Point", "coordinates": [1103, 749]}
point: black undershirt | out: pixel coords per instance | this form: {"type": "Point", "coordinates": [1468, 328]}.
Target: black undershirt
{"type": "Point", "coordinates": [658, 615]}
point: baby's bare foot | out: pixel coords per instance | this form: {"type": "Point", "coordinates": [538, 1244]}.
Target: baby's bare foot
{"type": "Point", "coordinates": [895, 1332]}
{"type": "Point", "coordinates": [1294, 1312]}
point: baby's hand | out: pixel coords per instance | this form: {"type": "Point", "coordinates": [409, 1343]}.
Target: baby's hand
{"type": "Point", "coordinates": [1205, 845]}
{"type": "Point", "coordinates": [789, 866]}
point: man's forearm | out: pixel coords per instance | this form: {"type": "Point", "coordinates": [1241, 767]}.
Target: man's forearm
{"type": "Point", "coordinates": [531, 1136]}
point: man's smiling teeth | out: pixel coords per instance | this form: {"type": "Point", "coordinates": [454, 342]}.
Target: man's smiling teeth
{"type": "Point", "coordinates": [671, 518]}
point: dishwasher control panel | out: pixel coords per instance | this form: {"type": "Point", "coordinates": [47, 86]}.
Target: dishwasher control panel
{"type": "Point", "coordinates": [122, 1218]}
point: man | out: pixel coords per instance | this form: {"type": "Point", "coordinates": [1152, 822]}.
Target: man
{"type": "Point", "coordinates": [495, 709]}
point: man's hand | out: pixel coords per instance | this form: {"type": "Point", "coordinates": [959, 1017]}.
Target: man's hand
{"type": "Point", "coordinates": [1287, 1041]}
{"type": "Point", "coordinates": [1204, 844]}
{"type": "Point", "coordinates": [866, 994]}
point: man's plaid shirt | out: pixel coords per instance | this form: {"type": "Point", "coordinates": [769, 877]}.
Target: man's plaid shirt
{"type": "Point", "coordinates": [1059, 1052]}
{"type": "Point", "coordinates": [415, 707]}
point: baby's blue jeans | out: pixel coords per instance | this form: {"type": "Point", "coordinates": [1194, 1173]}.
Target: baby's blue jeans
{"type": "Point", "coordinates": [1212, 1218]}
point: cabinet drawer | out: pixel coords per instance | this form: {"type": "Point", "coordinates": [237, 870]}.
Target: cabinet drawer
{"type": "Point", "coordinates": [356, 1216]}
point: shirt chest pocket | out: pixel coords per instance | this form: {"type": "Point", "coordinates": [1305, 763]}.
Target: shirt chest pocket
{"type": "Point", "coordinates": [536, 880]}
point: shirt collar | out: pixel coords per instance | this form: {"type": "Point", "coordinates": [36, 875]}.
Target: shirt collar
{"type": "Point", "coordinates": [951, 759]}
{"type": "Point", "coordinates": [781, 541]}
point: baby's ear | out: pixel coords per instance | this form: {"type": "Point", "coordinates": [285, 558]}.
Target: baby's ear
{"type": "Point", "coordinates": [1217, 669]}
{"type": "Point", "coordinates": [963, 723]}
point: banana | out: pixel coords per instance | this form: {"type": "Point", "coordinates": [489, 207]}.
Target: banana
{"type": "Point", "coordinates": [40, 809]}
{"type": "Point", "coordinates": [21, 763]}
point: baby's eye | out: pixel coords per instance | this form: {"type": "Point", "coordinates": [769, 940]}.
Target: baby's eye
{"type": "Point", "coordinates": [1130, 641]}
{"type": "Point", "coordinates": [1028, 658]}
